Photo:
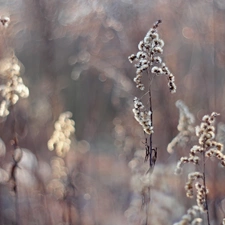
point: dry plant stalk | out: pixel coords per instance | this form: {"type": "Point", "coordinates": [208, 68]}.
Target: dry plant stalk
{"type": "Point", "coordinates": [149, 63]}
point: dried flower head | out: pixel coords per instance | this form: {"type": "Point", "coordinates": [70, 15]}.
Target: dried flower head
{"type": "Point", "coordinates": [189, 185]}
{"type": "Point", "coordinates": [202, 191]}
{"type": "Point", "coordinates": [206, 135]}
{"type": "Point", "coordinates": [60, 140]}
{"type": "Point", "coordinates": [142, 117]}
{"type": "Point", "coordinates": [148, 58]}
{"type": "Point", "coordinates": [207, 147]}
{"type": "Point", "coordinates": [191, 159]}
{"type": "Point", "coordinates": [14, 87]}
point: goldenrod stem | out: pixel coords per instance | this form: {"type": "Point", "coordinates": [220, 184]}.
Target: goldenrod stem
{"type": "Point", "coordinates": [204, 183]}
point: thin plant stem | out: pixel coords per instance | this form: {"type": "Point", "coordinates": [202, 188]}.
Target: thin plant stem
{"type": "Point", "coordinates": [150, 149]}
{"type": "Point", "coordinates": [151, 160]}
{"type": "Point", "coordinates": [150, 137]}
{"type": "Point", "coordinates": [204, 183]}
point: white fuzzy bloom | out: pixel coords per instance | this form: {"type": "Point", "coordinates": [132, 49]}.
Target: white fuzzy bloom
{"type": "Point", "coordinates": [13, 88]}
{"type": "Point", "coordinates": [157, 59]}
{"type": "Point", "coordinates": [157, 70]}
{"type": "Point", "coordinates": [60, 140]}
{"type": "Point", "coordinates": [158, 50]}
{"type": "Point", "coordinates": [147, 57]}
{"type": "Point", "coordinates": [142, 117]}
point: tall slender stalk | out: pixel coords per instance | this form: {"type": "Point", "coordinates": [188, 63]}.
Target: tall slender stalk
{"type": "Point", "coordinates": [149, 149]}
{"type": "Point", "coordinates": [150, 137]}
{"type": "Point", "coordinates": [204, 183]}
{"type": "Point", "coordinates": [149, 61]}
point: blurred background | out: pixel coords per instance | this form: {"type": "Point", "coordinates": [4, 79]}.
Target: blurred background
{"type": "Point", "coordinates": [75, 58]}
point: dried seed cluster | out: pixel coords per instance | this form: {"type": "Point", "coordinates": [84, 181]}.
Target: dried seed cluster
{"type": "Point", "coordinates": [60, 140]}
{"type": "Point", "coordinates": [216, 153]}
{"type": "Point", "coordinates": [207, 146]}
{"type": "Point", "coordinates": [206, 135]}
{"type": "Point", "coordinates": [191, 218]}
{"type": "Point", "coordinates": [148, 58]}
{"type": "Point", "coordinates": [206, 130]}
{"type": "Point", "coordinates": [189, 185]}
{"type": "Point", "coordinates": [143, 117]}
{"type": "Point", "coordinates": [185, 127]}
{"type": "Point", "coordinates": [14, 87]}
{"type": "Point", "coordinates": [202, 191]}
{"type": "Point", "coordinates": [183, 160]}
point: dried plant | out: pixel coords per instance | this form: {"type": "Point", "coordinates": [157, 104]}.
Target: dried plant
{"type": "Point", "coordinates": [14, 87]}
{"type": "Point", "coordinates": [207, 147]}
{"type": "Point", "coordinates": [61, 186]}
{"type": "Point", "coordinates": [150, 63]}
{"type": "Point", "coordinates": [60, 140]}
{"type": "Point", "coordinates": [10, 91]}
